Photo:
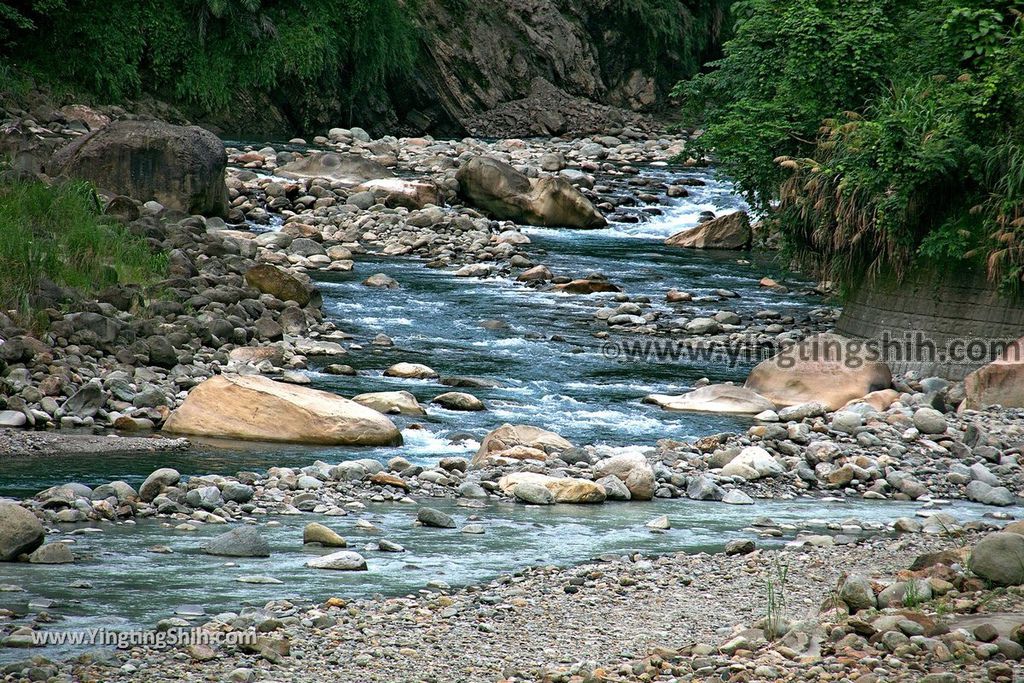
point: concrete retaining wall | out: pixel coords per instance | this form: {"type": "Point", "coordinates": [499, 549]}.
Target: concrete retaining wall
{"type": "Point", "coordinates": [941, 306]}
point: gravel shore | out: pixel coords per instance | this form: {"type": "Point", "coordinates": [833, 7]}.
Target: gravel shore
{"type": "Point", "coordinates": [526, 626]}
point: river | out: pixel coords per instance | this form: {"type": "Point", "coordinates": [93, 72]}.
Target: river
{"type": "Point", "coordinates": [552, 373]}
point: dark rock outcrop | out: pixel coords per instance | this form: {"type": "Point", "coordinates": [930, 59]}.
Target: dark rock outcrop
{"type": "Point", "coordinates": [182, 167]}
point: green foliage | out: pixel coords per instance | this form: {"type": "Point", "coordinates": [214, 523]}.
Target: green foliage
{"type": "Point", "coordinates": [206, 52]}
{"type": "Point", "coordinates": [58, 233]}
{"type": "Point", "coordinates": [878, 132]}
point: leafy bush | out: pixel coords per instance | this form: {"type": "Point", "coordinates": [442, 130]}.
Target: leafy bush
{"type": "Point", "coordinates": [58, 233]}
{"type": "Point", "coordinates": [876, 133]}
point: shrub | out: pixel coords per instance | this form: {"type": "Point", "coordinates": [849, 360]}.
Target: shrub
{"type": "Point", "coordinates": [876, 133]}
{"type": "Point", "coordinates": [58, 233]}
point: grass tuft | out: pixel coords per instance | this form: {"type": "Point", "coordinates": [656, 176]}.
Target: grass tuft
{"type": "Point", "coordinates": [58, 233]}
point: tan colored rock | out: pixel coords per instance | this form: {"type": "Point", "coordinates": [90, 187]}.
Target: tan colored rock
{"type": "Point", "coordinates": [385, 479]}
{"type": "Point", "coordinates": [820, 368]}
{"type": "Point", "coordinates": [501, 440]}
{"type": "Point", "coordinates": [715, 398]}
{"type": "Point", "coordinates": [256, 408]}
{"type": "Point", "coordinates": [314, 532]}
{"type": "Point", "coordinates": [634, 471]}
{"type": "Point", "coordinates": [1001, 382]}
{"type": "Point", "coordinates": [255, 355]}
{"type": "Point", "coordinates": [391, 402]}
{"type": "Point", "coordinates": [726, 232]}
{"type": "Point", "coordinates": [349, 169]}
{"type": "Point", "coordinates": [564, 489]}
{"type": "Point", "coordinates": [879, 400]}
{"type": "Point", "coordinates": [518, 453]}
{"type": "Point", "coordinates": [412, 194]}
{"type": "Point", "coordinates": [410, 371]}
{"type": "Point", "coordinates": [507, 194]}
{"type": "Point", "coordinates": [584, 286]}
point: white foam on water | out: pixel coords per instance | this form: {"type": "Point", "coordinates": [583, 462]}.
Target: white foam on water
{"type": "Point", "coordinates": [371, 320]}
{"type": "Point", "coordinates": [423, 443]}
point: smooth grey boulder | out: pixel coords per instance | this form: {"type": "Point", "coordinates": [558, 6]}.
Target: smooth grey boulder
{"type": "Point", "coordinates": [244, 541]}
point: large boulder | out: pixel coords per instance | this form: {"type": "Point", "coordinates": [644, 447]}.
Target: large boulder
{"type": "Point", "coordinates": [633, 470]}
{"type": "Point", "coordinates": [279, 283]}
{"type": "Point", "coordinates": [507, 194]}
{"type": "Point", "coordinates": [181, 167]}
{"type": "Point", "coordinates": [715, 398]}
{"type": "Point", "coordinates": [256, 408]}
{"type": "Point", "coordinates": [726, 232]}
{"type": "Point", "coordinates": [1001, 382]}
{"type": "Point", "coordinates": [563, 489]}
{"type": "Point", "coordinates": [824, 368]}
{"type": "Point", "coordinates": [20, 531]}
{"type": "Point", "coordinates": [502, 441]}
{"type": "Point", "coordinates": [999, 557]}
{"type": "Point", "coordinates": [349, 169]}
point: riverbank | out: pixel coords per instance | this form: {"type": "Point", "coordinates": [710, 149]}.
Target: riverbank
{"type": "Point", "coordinates": [593, 622]}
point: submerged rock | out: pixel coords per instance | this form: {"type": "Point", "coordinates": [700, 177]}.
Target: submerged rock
{"type": "Point", "coordinates": [52, 553]}
{"type": "Point", "coordinates": [428, 516]}
{"type": "Point", "coordinates": [391, 402]}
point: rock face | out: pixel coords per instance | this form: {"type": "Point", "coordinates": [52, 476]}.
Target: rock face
{"type": "Point", "coordinates": [259, 409]}
{"type": "Point", "coordinates": [999, 557]}
{"type": "Point", "coordinates": [715, 398]}
{"type": "Point", "coordinates": [20, 532]}
{"type": "Point", "coordinates": [506, 437]}
{"type": "Point", "coordinates": [563, 489]}
{"type": "Point", "coordinates": [180, 167]}
{"type": "Point", "coordinates": [820, 368]}
{"type": "Point", "coordinates": [1001, 382]}
{"type": "Point", "coordinates": [348, 169]}
{"type": "Point", "coordinates": [727, 232]}
{"type": "Point", "coordinates": [507, 194]}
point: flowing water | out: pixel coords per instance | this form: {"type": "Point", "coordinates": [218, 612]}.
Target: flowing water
{"type": "Point", "coordinates": [551, 372]}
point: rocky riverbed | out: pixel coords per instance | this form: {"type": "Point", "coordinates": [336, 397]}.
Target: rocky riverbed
{"type": "Point", "coordinates": [627, 618]}
{"type": "Point", "coordinates": [356, 265]}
